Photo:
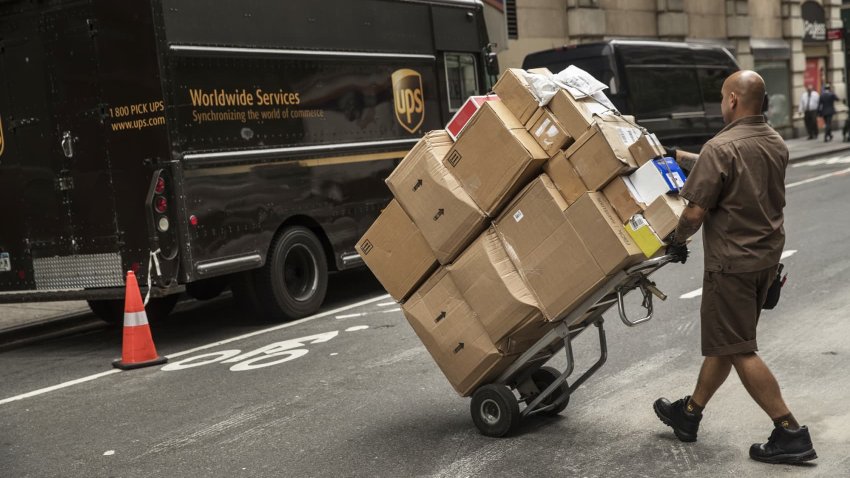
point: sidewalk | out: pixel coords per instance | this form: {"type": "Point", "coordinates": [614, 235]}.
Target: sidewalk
{"type": "Point", "coordinates": [19, 316]}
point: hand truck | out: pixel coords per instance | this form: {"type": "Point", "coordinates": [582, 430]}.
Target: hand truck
{"type": "Point", "coordinates": [543, 389]}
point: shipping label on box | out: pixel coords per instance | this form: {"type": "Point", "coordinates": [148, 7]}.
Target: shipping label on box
{"type": "Point", "coordinates": [553, 261]}
{"type": "Point", "coordinates": [395, 251]}
{"type": "Point", "coordinates": [494, 289]}
{"type": "Point", "coordinates": [494, 157]}
{"type": "Point", "coordinates": [452, 334]}
{"type": "Point", "coordinates": [600, 229]}
{"type": "Point", "coordinates": [514, 91]}
{"type": "Point", "coordinates": [647, 147]}
{"type": "Point", "coordinates": [564, 176]}
{"type": "Point", "coordinates": [657, 177]}
{"type": "Point", "coordinates": [548, 131]}
{"type": "Point", "coordinates": [447, 216]}
{"type": "Point", "coordinates": [663, 214]}
{"type": "Point", "coordinates": [465, 113]}
{"type": "Point", "coordinates": [623, 198]}
{"type": "Point", "coordinates": [641, 232]}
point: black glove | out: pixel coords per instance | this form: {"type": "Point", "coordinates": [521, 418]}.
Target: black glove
{"type": "Point", "coordinates": [678, 251]}
{"type": "Point", "coordinates": [670, 151]}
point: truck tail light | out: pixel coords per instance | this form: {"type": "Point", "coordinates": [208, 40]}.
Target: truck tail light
{"type": "Point", "coordinates": [160, 185]}
{"type": "Point", "coordinates": [160, 204]}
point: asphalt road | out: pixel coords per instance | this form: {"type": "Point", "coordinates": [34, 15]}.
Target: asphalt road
{"type": "Point", "coordinates": [362, 397]}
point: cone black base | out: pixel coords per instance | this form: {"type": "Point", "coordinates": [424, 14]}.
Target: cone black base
{"type": "Point", "coordinates": [130, 366]}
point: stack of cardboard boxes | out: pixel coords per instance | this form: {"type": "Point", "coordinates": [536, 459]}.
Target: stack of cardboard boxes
{"type": "Point", "coordinates": [498, 234]}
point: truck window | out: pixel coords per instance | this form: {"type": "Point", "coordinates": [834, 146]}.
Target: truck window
{"type": "Point", "coordinates": [659, 92]}
{"type": "Point", "coordinates": [461, 78]}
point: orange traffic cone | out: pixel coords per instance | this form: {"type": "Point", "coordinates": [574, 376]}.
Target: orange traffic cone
{"type": "Point", "coordinates": [138, 349]}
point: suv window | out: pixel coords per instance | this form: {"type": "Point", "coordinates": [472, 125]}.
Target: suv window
{"type": "Point", "coordinates": [711, 82]}
{"type": "Point", "coordinates": [461, 78]}
{"type": "Point", "coordinates": [658, 91]}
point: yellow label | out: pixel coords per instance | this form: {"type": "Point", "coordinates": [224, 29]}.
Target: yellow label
{"type": "Point", "coordinates": [409, 99]}
{"type": "Point", "coordinates": [643, 235]}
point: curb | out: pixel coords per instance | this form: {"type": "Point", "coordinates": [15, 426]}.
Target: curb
{"type": "Point", "coordinates": [50, 327]}
{"type": "Point", "coordinates": [815, 154]}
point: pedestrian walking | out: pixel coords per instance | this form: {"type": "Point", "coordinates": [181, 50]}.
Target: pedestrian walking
{"type": "Point", "coordinates": [736, 192]}
{"type": "Point", "coordinates": [826, 109]}
{"type": "Point", "coordinates": [809, 101]}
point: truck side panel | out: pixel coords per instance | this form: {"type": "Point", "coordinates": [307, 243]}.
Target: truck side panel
{"type": "Point", "coordinates": [265, 138]}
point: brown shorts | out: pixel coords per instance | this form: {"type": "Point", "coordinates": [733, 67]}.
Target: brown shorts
{"type": "Point", "coordinates": [731, 305]}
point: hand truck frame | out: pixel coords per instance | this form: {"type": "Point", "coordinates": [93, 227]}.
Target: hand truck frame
{"type": "Point", "coordinates": [544, 390]}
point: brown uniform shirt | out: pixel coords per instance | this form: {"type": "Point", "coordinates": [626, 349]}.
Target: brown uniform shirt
{"type": "Point", "coordinates": [739, 179]}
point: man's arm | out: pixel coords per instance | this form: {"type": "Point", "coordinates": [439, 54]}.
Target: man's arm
{"type": "Point", "coordinates": [686, 160]}
{"type": "Point", "coordinates": [689, 223]}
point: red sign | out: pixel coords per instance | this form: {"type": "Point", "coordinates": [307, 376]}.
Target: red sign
{"type": "Point", "coordinates": [834, 33]}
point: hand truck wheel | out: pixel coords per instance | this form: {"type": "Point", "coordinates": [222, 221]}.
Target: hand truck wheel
{"type": "Point", "coordinates": [543, 377]}
{"type": "Point", "coordinates": [495, 410]}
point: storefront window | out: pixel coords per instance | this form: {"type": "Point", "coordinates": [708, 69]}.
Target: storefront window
{"type": "Point", "coordinates": [776, 74]}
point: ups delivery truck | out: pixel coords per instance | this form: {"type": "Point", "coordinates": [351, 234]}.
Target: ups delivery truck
{"type": "Point", "coordinates": [205, 144]}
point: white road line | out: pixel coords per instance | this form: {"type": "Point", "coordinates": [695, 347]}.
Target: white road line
{"type": "Point", "coordinates": [387, 304]}
{"type": "Point", "coordinates": [818, 178]}
{"type": "Point", "coordinates": [392, 310]}
{"type": "Point", "coordinates": [196, 349]}
{"type": "Point", "coordinates": [692, 294]}
{"type": "Point", "coordinates": [788, 253]}
{"type": "Point", "coordinates": [349, 316]}
{"type": "Point", "coordinates": [59, 386]}
{"type": "Point", "coordinates": [822, 161]}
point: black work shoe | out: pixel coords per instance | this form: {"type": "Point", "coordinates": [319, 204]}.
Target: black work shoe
{"type": "Point", "coordinates": [785, 446]}
{"type": "Point", "coordinates": [684, 424]}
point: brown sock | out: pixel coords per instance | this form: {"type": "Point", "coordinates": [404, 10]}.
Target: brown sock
{"type": "Point", "coordinates": [786, 421]}
{"type": "Point", "coordinates": [694, 408]}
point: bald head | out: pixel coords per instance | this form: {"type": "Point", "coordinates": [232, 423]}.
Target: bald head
{"type": "Point", "coordinates": [743, 95]}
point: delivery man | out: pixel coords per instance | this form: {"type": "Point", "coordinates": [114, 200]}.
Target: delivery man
{"type": "Point", "coordinates": [736, 191]}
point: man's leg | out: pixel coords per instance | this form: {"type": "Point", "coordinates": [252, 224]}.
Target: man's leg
{"type": "Point", "coordinates": [789, 442]}
{"type": "Point", "coordinates": [711, 376]}
{"type": "Point", "coordinates": [761, 384]}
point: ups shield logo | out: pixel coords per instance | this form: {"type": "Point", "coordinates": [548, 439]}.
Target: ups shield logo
{"type": "Point", "coordinates": [2, 141]}
{"type": "Point", "coordinates": [409, 100]}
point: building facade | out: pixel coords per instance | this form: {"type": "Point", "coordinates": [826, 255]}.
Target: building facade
{"type": "Point", "coordinates": [791, 43]}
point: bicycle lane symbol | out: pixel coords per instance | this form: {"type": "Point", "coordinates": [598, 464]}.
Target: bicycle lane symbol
{"type": "Point", "coordinates": [272, 354]}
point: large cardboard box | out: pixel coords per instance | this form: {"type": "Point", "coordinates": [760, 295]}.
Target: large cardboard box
{"type": "Point", "coordinates": [547, 251]}
{"type": "Point", "coordinates": [602, 152]}
{"type": "Point", "coordinates": [494, 157]}
{"type": "Point", "coordinates": [446, 215]}
{"type": "Point", "coordinates": [465, 113]}
{"type": "Point", "coordinates": [396, 252]}
{"type": "Point", "coordinates": [494, 289]}
{"type": "Point", "coordinates": [656, 178]}
{"type": "Point", "coordinates": [602, 232]}
{"type": "Point", "coordinates": [623, 198]}
{"type": "Point", "coordinates": [451, 332]}
{"type": "Point", "coordinates": [575, 115]}
{"type": "Point", "coordinates": [645, 148]}
{"type": "Point", "coordinates": [663, 214]}
{"type": "Point", "coordinates": [514, 91]}
{"type": "Point", "coordinates": [564, 176]}
{"type": "Point", "coordinates": [548, 131]}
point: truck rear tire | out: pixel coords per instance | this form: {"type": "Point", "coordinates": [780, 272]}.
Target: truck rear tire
{"type": "Point", "coordinates": [112, 310]}
{"type": "Point", "coordinates": [294, 280]}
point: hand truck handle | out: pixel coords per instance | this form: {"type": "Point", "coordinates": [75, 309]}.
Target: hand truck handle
{"type": "Point", "coordinates": [647, 304]}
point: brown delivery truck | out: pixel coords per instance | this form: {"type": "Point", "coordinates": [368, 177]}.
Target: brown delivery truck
{"type": "Point", "coordinates": [240, 143]}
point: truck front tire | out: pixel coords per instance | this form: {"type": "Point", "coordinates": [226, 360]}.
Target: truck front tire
{"type": "Point", "coordinates": [294, 280]}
